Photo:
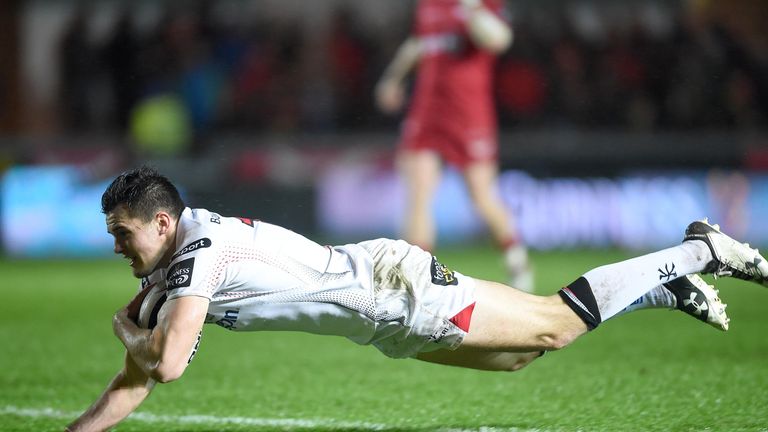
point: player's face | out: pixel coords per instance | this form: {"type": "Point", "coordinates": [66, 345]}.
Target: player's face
{"type": "Point", "coordinates": [138, 241]}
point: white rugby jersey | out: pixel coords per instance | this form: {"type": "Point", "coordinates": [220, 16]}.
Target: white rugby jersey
{"type": "Point", "coordinates": [259, 276]}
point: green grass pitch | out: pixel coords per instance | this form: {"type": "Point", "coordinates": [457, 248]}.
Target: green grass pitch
{"type": "Point", "coordinates": [649, 371]}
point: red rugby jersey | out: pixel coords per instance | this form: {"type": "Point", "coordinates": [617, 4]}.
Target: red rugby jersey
{"type": "Point", "coordinates": [453, 84]}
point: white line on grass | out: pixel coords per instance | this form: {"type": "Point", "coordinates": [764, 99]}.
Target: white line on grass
{"type": "Point", "coordinates": [203, 419]}
{"type": "Point", "coordinates": [285, 423]}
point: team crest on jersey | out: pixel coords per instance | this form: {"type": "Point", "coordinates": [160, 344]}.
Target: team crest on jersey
{"type": "Point", "coordinates": [195, 245]}
{"type": "Point", "coordinates": [442, 275]}
{"type": "Point", "coordinates": [180, 275]}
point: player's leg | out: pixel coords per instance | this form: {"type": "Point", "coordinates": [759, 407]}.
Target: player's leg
{"type": "Point", "coordinates": [420, 171]}
{"type": "Point", "coordinates": [603, 292]}
{"type": "Point", "coordinates": [507, 320]}
{"type": "Point", "coordinates": [513, 321]}
{"type": "Point", "coordinates": [481, 179]}
{"type": "Point", "coordinates": [491, 361]}
{"type": "Point", "coordinates": [689, 294]}
{"type": "Point", "coordinates": [702, 304]}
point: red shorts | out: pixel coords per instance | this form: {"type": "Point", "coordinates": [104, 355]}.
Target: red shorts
{"type": "Point", "coordinates": [457, 144]}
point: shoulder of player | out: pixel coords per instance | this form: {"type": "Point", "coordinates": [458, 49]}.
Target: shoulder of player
{"type": "Point", "coordinates": [198, 218]}
{"type": "Point", "coordinates": [197, 230]}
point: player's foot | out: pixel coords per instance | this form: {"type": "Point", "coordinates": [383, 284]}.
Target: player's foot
{"type": "Point", "coordinates": [518, 267]}
{"type": "Point", "coordinates": [730, 258]}
{"type": "Point", "coordinates": [699, 300]}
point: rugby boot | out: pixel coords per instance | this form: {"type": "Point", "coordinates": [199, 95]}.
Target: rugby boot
{"type": "Point", "coordinates": [729, 257]}
{"type": "Point", "coordinates": [699, 300]}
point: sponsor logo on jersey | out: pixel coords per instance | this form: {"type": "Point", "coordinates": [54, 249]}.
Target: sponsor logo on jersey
{"type": "Point", "coordinates": [144, 282]}
{"type": "Point", "coordinates": [195, 245]}
{"type": "Point", "coordinates": [180, 275]}
{"type": "Point", "coordinates": [442, 275]}
{"type": "Point", "coordinates": [229, 319]}
{"type": "Point", "coordinates": [439, 334]}
{"type": "Point", "coordinates": [215, 218]}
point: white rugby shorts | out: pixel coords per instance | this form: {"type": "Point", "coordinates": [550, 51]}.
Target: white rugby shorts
{"type": "Point", "coordinates": [420, 304]}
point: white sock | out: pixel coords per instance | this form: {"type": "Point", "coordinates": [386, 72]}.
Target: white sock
{"type": "Point", "coordinates": [617, 285]}
{"type": "Point", "coordinates": [657, 298]}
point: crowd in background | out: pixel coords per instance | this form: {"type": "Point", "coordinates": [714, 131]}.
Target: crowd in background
{"type": "Point", "coordinates": [672, 71]}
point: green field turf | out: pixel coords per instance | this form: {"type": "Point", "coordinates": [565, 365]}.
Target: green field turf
{"type": "Point", "coordinates": [650, 371]}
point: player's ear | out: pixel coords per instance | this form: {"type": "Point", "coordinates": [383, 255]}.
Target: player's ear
{"type": "Point", "coordinates": [164, 222]}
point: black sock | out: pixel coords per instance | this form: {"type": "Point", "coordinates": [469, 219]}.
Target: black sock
{"type": "Point", "coordinates": [578, 296]}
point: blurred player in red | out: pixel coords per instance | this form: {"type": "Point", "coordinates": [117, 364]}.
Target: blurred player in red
{"type": "Point", "coordinates": [452, 118]}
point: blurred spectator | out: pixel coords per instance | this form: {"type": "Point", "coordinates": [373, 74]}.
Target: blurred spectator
{"type": "Point", "coordinates": [120, 61]}
{"type": "Point", "coordinates": [161, 126]}
{"type": "Point", "coordinates": [76, 58]}
{"type": "Point", "coordinates": [573, 96]}
{"type": "Point", "coordinates": [522, 83]}
{"type": "Point", "coordinates": [349, 53]}
{"type": "Point", "coordinates": [644, 66]}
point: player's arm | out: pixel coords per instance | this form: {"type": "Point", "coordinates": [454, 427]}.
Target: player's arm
{"type": "Point", "coordinates": [390, 90]}
{"type": "Point", "coordinates": [486, 29]}
{"type": "Point", "coordinates": [123, 395]}
{"type": "Point", "coordinates": [163, 353]}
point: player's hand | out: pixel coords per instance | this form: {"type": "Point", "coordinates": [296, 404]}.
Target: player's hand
{"type": "Point", "coordinates": [390, 96]}
{"type": "Point", "coordinates": [124, 318]}
{"type": "Point", "coordinates": [120, 320]}
{"type": "Point", "coordinates": [134, 306]}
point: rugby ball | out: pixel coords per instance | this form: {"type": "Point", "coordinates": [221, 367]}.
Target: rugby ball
{"type": "Point", "coordinates": [150, 307]}
{"type": "Point", "coordinates": [150, 311]}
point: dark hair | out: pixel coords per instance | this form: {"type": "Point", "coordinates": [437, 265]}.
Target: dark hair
{"type": "Point", "coordinates": [144, 192]}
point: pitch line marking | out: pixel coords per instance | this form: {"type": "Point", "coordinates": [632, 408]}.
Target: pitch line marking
{"type": "Point", "coordinates": [242, 421]}
{"type": "Point", "coordinates": [202, 419]}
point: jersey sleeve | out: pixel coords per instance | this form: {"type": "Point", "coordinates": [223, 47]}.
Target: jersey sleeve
{"type": "Point", "coordinates": [192, 271]}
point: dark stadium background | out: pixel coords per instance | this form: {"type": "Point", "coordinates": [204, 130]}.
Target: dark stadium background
{"type": "Point", "coordinates": [621, 122]}
{"type": "Point", "coordinates": [630, 118]}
